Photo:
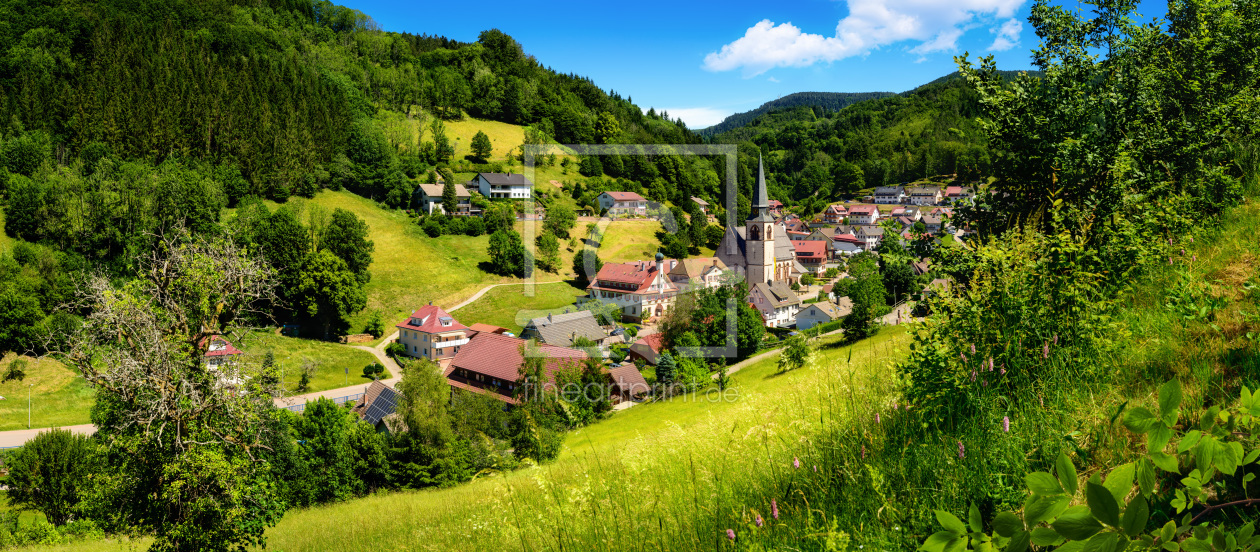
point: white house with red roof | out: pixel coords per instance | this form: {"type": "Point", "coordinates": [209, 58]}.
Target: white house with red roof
{"type": "Point", "coordinates": [776, 207]}
{"type": "Point", "coordinates": [432, 333]}
{"type": "Point", "coordinates": [642, 289]}
{"type": "Point", "coordinates": [220, 351]}
{"type": "Point", "coordinates": [835, 214]}
{"type": "Point", "coordinates": [623, 203]}
{"type": "Point", "coordinates": [490, 363]}
{"type": "Point", "coordinates": [863, 215]}
{"type": "Point", "coordinates": [812, 254]}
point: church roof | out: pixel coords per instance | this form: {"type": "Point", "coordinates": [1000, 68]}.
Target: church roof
{"type": "Point", "coordinates": [760, 198]}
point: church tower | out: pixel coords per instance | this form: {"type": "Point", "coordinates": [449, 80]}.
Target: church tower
{"type": "Point", "coordinates": [760, 233]}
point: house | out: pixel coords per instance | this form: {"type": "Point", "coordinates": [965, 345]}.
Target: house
{"type": "Point", "coordinates": [220, 352]}
{"type": "Point", "coordinates": [379, 403]}
{"type": "Point", "coordinates": [797, 226]}
{"type": "Point", "coordinates": [504, 186]}
{"type": "Point", "coordinates": [429, 198]}
{"type": "Point", "coordinates": [924, 195]}
{"type": "Point", "coordinates": [704, 205]}
{"type": "Point", "coordinates": [812, 254]}
{"type": "Point", "coordinates": [825, 234]}
{"type": "Point", "coordinates": [491, 364]}
{"type": "Point", "coordinates": [623, 203]}
{"type": "Point", "coordinates": [641, 288]}
{"type": "Point", "coordinates": [912, 212]}
{"type": "Point", "coordinates": [823, 312]}
{"type": "Point", "coordinates": [628, 383]}
{"type": "Point", "coordinates": [564, 329]}
{"type": "Point", "coordinates": [432, 333]}
{"type": "Point", "coordinates": [848, 245]}
{"type": "Point", "coordinates": [870, 236]}
{"type": "Point", "coordinates": [933, 223]}
{"type": "Point", "coordinates": [835, 214]}
{"type": "Point", "coordinates": [697, 273]}
{"type": "Point", "coordinates": [776, 207]}
{"type": "Point", "coordinates": [864, 214]}
{"type": "Point", "coordinates": [647, 348]}
{"type": "Point", "coordinates": [956, 194]}
{"type": "Point", "coordinates": [777, 302]}
{"type": "Point", "coordinates": [921, 267]}
{"type": "Point", "coordinates": [889, 195]}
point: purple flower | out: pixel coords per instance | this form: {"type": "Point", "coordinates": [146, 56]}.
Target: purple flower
{"type": "Point", "coordinates": [774, 509]}
{"type": "Point", "coordinates": [1194, 258]}
{"type": "Point", "coordinates": [730, 534]}
{"type": "Point", "coordinates": [1191, 238]}
{"type": "Point", "coordinates": [964, 356]}
{"type": "Point", "coordinates": [863, 451]}
{"type": "Point", "coordinates": [1170, 241]}
{"type": "Point", "coordinates": [984, 383]}
{"type": "Point", "coordinates": [1002, 372]}
{"type": "Point", "coordinates": [1170, 261]}
{"type": "Point", "coordinates": [1183, 252]}
{"type": "Point", "coordinates": [990, 364]}
{"type": "Point", "coordinates": [759, 522]}
{"type": "Point", "coordinates": [877, 417]}
{"type": "Point", "coordinates": [962, 451]}
{"type": "Point", "coordinates": [1045, 350]}
{"type": "Point", "coordinates": [796, 462]}
{"type": "Point", "coordinates": [973, 375]}
{"type": "Point", "coordinates": [1056, 340]}
{"type": "Point", "coordinates": [973, 348]}
{"type": "Point", "coordinates": [815, 468]}
{"type": "Point", "coordinates": [1006, 424]}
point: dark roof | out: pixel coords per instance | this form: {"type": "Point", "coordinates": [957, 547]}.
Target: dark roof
{"type": "Point", "coordinates": [500, 179]}
{"type": "Point", "coordinates": [378, 402]}
{"type": "Point", "coordinates": [778, 293]}
{"type": "Point", "coordinates": [885, 190]}
{"type": "Point", "coordinates": [563, 329]}
{"type": "Point", "coordinates": [760, 198]}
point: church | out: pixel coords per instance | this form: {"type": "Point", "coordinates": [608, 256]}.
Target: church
{"type": "Point", "coordinates": [760, 251]}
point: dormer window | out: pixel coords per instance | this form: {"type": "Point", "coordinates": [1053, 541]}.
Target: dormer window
{"type": "Point", "coordinates": [446, 321]}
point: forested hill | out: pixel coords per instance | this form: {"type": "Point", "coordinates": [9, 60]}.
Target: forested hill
{"type": "Point", "coordinates": [817, 159]}
{"type": "Point", "coordinates": [825, 101]}
{"type": "Point", "coordinates": [290, 93]}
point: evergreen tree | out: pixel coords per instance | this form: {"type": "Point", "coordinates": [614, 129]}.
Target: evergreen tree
{"type": "Point", "coordinates": [449, 199]}
{"type": "Point", "coordinates": [481, 147]}
{"type": "Point", "coordinates": [666, 368]}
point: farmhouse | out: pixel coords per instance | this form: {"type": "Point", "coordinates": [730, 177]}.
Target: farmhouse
{"type": "Point", "coordinates": [823, 312]}
{"type": "Point", "coordinates": [647, 348]}
{"type": "Point", "coordinates": [704, 205]}
{"type": "Point", "coordinates": [777, 302]}
{"type": "Point", "coordinates": [623, 203]}
{"type": "Point", "coordinates": [697, 272]}
{"type": "Point", "coordinates": [220, 352]}
{"type": "Point", "coordinates": [429, 197]}
{"type": "Point", "coordinates": [432, 333]}
{"type": "Point", "coordinates": [835, 214]}
{"type": "Point", "coordinates": [504, 186]}
{"type": "Point", "coordinates": [641, 289]}
{"type": "Point", "coordinates": [491, 364]}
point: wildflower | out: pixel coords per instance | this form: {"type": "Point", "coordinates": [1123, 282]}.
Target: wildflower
{"type": "Point", "coordinates": [1006, 424]}
{"type": "Point", "coordinates": [774, 509]}
{"type": "Point", "coordinates": [730, 534]}
{"type": "Point", "coordinates": [1170, 241]}
{"type": "Point", "coordinates": [1002, 372]}
{"type": "Point", "coordinates": [815, 468]}
{"type": "Point", "coordinates": [1045, 350]}
{"type": "Point", "coordinates": [990, 364]}
{"type": "Point", "coordinates": [964, 356]}
{"type": "Point", "coordinates": [962, 451]}
{"type": "Point", "coordinates": [759, 522]}
{"type": "Point", "coordinates": [796, 462]}
{"type": "Point", "coordinates": [863, 452]}
{"type": "Point", "coordinates": [1056, 340]}
{"type": "Point", "coordinates": [1170, 261]}
{"type": "Point", "coordinates": [1194, 258]}
{"type": "Point", "coordinates": [1183, 252]}
{"type": "Point", "coordinates": [877, 417]}
{"type": "Point", "coordinates": [984, 383]}
{"type": "Point", "coordinates": [1191, 238]}
{"type": "Point", "coordinates": [973, 375]}
{"type": "Point", "coordinates": [973, 348]}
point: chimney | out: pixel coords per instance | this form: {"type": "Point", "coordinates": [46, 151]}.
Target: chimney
{"type": "Point", "coordinates": [430, 303]}
{"type": "Point", "coordinates": [548, 318]}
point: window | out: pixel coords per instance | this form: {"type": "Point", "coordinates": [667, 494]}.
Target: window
{"type": "Point", "coordinates": [439, 352]}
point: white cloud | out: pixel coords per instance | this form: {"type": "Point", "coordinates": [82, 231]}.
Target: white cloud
{"type": "Point", "coordinates": [1007, 35]}
{"type": "Point", "coordinates": [935, 24]}
{"type": "Point", "coordinates": [772, 79]}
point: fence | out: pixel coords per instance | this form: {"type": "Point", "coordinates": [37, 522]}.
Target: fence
{"type": "Point", "coordinates": [338, 400]}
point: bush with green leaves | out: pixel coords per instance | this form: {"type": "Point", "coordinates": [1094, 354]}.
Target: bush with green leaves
{"type": "Point", "coordinates": [373, 370]}
{"type": "Point", "coordinates": [50, 474]}
{"type": "Point", "coordinates": [1192, 469]}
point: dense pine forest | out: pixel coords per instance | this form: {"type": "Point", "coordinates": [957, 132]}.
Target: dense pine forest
{"type": "Point", "coordinates": [822, 101]}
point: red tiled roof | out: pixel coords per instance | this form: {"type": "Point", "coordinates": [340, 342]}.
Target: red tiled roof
{"type": "Point", "coordinates": [639, 274]}
{"type": "Point", "coordinates": [848, 238]}
{"type": "Point", "coordinates": [810, 249]}
{"type": "Point", "coordinates": [837, 208]}
{"type": "Point", "coordinates": [625, 196]}
{"type": "Point", "coordinates": [475, 389]}
{"type": "Point", "coordinates": [953, 190]}
{"type": "Point", "coordinates": [655, 342]}
{"type": "Point", "coordinates": [431, 315]}
{"type": "Point", "coordinates": [775, 203]}
{"type": "Point", "coordinates": [499, 356]}
{"type": "Point", "coordinates": [227, 350]}
{"type": "Point", "coordinates": [863, 210]}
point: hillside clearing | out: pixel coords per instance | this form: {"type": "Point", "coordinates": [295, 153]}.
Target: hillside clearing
{"type": "Point", "coordinates": [336, 365]}
{"type": "Point", "coordinates": [509, 307]}
{"type": "Point", "coordinates": [58, 396]}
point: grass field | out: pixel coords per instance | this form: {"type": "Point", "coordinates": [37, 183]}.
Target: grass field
{"type": "Point", "coordinates": [58, 396]}
{"type": "Point", "coordinates": [509, 307]}
{"type": "Point", "coordinates": [331, 360]}
{"type": "Point", "coordinates": [504, 137]}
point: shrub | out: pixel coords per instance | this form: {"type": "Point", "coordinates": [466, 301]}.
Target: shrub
{"type": "Point", "coordinates": [374, 370]}
{"type": "Point", "coordinates": [16, 371]}
{"type": "Point", "coordinates": [47, 472]}
{"type": "Point", "coordinates": [432, 227]}
{"type": "Point", "coordinates": [396, 350]}
{"type": "Point", "coordinates": [375, 326]}
{"type": "Point", "coordinates": [474, 226]}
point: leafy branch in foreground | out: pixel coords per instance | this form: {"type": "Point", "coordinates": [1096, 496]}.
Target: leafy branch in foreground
{"type": "Point", "coordinates": [1115, 513]}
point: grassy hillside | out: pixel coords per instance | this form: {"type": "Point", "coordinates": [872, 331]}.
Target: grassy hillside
{"type": "Point", "coordinates": [59, 397]}
{"type": "Point", "coordinates": [331, 360]}
{"type": "Point", "coordinates": [509, 307]}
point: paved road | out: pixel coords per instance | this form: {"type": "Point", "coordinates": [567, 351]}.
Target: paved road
{"type": "Point", "coordinates": [17, 438]}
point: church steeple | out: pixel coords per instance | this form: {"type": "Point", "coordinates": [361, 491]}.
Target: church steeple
{"type": "Point", "coordinates": [760, 199]}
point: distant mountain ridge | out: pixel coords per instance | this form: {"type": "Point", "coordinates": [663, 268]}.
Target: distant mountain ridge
{"type": "Point", "coordinates": [830, 101]}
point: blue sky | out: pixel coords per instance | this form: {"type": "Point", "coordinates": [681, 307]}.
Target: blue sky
{"type": "Point", "coordinates": [702, 61]}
